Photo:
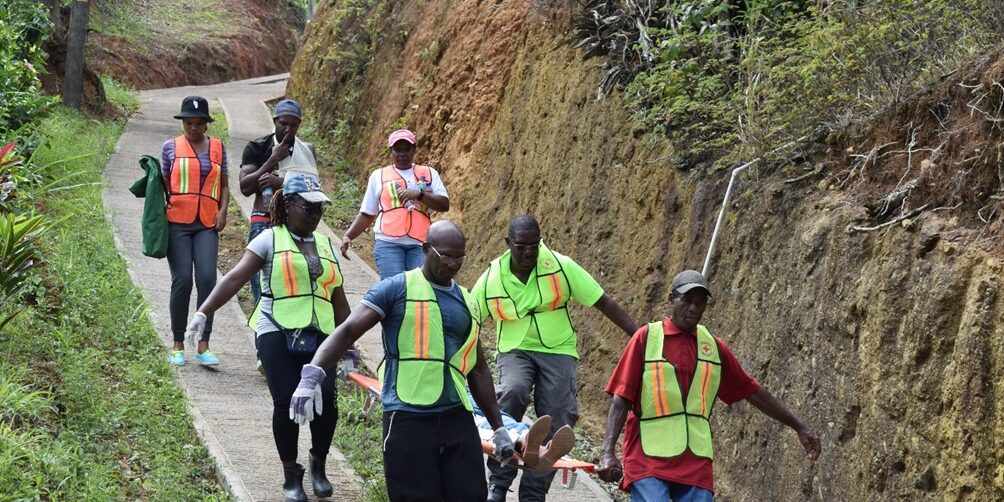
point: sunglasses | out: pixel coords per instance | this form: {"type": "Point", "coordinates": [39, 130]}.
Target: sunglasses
{"type": "Point", "coordinates": [308, 208]}
{"type": "Point", "coordinates": [520, 247]}
{"type": "Point", "coordinates": [455, 260]}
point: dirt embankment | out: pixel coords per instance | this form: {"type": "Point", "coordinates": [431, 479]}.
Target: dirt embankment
{"type": "Point", "coordinates": [150, 44]}
{"type": "Point", "coordinates": [887, 342]}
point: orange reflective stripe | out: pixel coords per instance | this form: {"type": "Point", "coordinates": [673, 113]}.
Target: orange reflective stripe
{"type": "Point", "coordinates": [704, 387]}
{"type": "Point", "coordinates": [498, 309]}
{"type": "Point", "coordinates": [421, 325]}
{"type": "Point", "coordinates": [659, 391]}
{"type": "Point", "coordinates": [289, 273]}
{"type": "Point", "coordinates": [334, 277]}
{"type": "Point", "coordinates": [467, 352]}
{"type": "Point", "coordinates": [555, 290]}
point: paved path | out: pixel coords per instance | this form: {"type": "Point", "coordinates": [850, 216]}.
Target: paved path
{"type": "Point", "coordinates": [230, 405]}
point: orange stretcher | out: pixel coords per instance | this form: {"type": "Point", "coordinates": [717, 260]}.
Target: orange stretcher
{"type": "Point", "coordinates": [567, 467]}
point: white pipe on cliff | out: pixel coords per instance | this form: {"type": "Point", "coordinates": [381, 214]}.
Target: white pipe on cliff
{"type": "Point", "coordinates": [721, 214]}
{"type": "Point", "coordinates": [725, 201]}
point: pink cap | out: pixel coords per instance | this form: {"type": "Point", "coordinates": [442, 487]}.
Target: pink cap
{"type": "Point", "coordinates": [400, 134]}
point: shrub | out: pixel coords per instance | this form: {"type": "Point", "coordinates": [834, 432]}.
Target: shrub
{"type": "Point", "coordinates": [24, 27]}
{"type": "Point", "coordinates": [728, 80]}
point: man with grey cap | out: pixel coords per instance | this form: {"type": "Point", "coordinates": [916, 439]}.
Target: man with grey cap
{"type": "Point", "coordinates": [668, 378]}
{"type": "Point", "coordinates": [266, 160]}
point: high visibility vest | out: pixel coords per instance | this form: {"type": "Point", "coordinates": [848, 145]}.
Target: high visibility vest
{"type": "Point", "coordinates": [667, 427]}
{"type": "Point", "coordinates": [548, 319]}
{"type": "Point", "coordinates": [189, 200]}
{"type": "Point", "coordinates": [296, 300]}
{"type": "Point", "coordinates": [397, 219]}
{"type": "Point", "coordinates": [423, 366]}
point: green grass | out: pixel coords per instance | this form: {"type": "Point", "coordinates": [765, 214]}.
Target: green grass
{"type": "Point", "coordinates": [89, 409]}
{"type": "Point", "coordinates": [180, 21]}
{"type": "Point", "coordinates": [123, 100]}
{"type": "Point", "coordinates": [359, 438]}
{"type": "Point", "coordinates": [340, 183]}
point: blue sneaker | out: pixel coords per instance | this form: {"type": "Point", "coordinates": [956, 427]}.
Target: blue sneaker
{"type": "Point", "coordinates": [207, 358]}
{"type": "Point", "coordinates": [176, 357]}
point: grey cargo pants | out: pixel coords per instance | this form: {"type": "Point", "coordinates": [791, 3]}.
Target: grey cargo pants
{"type": "Point", "coordinates": [552, 379]}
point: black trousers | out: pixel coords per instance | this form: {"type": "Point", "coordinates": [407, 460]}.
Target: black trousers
{"type": "Point", "coordinates": [191, 247]}
{"type": "Point", "coordinates": [433, 457]}
{"type": "Point", "coordinates": [282, 373]}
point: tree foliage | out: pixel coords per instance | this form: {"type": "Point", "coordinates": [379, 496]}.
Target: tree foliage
{"type": "Point", "coordinates": [24, 27]}
{"type": "Point", "coordinates": [727, 79]}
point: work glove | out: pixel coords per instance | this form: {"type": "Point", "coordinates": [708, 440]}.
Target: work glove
{"type": "Point", "coordinates": [503, 449]}
{"type": "Point", "coordinates": [307, 397]}
{"type": "Point", "coordinates": [193, 332]}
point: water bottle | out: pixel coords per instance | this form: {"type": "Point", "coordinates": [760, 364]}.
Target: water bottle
{"type": "Point", "coordinates": [267, 194]}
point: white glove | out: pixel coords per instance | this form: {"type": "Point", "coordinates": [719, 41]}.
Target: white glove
{"type": "Point", "coordinates": [503, 449]}
{"type": "Point", "coordinates": [193, 332]}
{"type": "Point", "coordinates": [307, 398]}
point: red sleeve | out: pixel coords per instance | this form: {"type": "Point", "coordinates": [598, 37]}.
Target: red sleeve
{"type": "Point", "coordinates": [626, 379]}
{"type": "Point", "coordinates": [736, 384]}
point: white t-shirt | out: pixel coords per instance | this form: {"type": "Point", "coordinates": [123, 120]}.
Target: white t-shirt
{"type": "Point", "coordinates": [371, 201]}
{"type": "Point", "coordinates": [263, 246]}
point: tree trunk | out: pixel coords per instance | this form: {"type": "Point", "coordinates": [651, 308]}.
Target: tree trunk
{"type": "Point", "coordinates": [73, 82]}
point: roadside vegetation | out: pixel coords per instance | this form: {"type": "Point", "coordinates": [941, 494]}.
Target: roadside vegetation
{"type": "Point", "coordinates": [726, 81]}
{"type": "Point", "coordinates": [89, 409]}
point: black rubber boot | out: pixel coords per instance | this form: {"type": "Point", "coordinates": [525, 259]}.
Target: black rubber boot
{"type": "Point", "coordinates": [292, 489]}
{"type": "Point", "coordinates": [322, 487]}
{"type": "Point", "coordinates": [497, 493]}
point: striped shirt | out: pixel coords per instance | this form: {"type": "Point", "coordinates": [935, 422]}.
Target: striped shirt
{"type": "Point", "coordinates": [167, 161]}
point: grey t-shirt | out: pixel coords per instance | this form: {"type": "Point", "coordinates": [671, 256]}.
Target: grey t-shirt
{"type": "Point", "coordinates": [264, 247]}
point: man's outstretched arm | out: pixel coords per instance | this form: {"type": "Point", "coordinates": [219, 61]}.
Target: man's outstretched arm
{"type": "Point", "coordinates": [773, 408]}
{"type": "Point", "coordinates": [616, 314]}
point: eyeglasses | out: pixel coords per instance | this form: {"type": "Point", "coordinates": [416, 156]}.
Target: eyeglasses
{"type": "Point", "coordinates": [455, 260]}
{"type": "Point", "coordinates": [308, 208]}
{"type": "Point", "coordinates": [520, 247]}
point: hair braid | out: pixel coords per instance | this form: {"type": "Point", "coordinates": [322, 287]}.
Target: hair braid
{"type": "Point", "coordinates": [277, 209]}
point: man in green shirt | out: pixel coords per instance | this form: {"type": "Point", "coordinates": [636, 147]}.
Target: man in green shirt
{"type": "Point", "coordinates": [526, 291]}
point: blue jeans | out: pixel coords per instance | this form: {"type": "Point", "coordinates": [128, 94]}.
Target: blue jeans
{"type": "Point", "coordinates": [657, 490]}
{"type": "Point", "coordinates": [253, 230]}
{"type": "Point", "coordinates": [392, 259]}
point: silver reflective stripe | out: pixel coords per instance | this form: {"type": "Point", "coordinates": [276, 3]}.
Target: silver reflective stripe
{"type": "Point", "coordinates": [390, 427]}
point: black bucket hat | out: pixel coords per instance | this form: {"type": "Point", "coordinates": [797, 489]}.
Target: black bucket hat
{"type": "Point", "coordinates": [194, 106]}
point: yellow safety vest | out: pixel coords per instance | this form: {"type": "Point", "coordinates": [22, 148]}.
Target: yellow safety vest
{"type": "Point", "coordinates": [548, 319]}
{"type": "Point", "coordinates": [422, 362]}
{"type": "Point", "coordinates": [296, 301]}
{"type": "Point", "coordinates": [667, 428]}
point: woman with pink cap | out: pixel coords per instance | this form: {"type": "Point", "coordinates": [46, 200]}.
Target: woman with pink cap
{"type": "Point", "coordinates": [401, 197]}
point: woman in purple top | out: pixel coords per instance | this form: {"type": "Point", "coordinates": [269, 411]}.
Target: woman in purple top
{"type": "Point", "coordinates": [193, 245]}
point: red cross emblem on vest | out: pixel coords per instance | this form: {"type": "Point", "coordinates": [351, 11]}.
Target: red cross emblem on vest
{"type": "Point", "coordinates": [705, 349]}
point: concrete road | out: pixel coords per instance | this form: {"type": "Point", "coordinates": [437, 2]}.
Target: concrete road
{"type": "Point", "coordinates": [230, 404]}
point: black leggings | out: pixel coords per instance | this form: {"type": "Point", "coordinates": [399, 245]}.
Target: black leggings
{"type": "Point", "coordinates": [190, 247]}
{"type": "Point", "coordinates": [282, 372]}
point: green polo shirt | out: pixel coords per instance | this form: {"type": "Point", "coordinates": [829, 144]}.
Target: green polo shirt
{"type": "Point", "coordinates": [584, 289]}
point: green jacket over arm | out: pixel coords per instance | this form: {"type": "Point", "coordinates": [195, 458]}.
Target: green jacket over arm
{"type": "Point", "coordinates": [154, 222]}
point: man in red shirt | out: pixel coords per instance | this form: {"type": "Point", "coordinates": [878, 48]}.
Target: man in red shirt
{"type": "Point", "coordinates": [669, 383]}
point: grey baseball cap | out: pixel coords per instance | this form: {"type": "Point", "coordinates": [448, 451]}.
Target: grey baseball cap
{"type": "Point", "coordinates": [688, 280]}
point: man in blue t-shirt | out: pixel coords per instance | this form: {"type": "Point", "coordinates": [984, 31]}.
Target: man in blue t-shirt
{"type": "Point", "coordinates": [431, 451]}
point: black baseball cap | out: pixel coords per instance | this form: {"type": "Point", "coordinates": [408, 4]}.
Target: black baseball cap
{"type": "Point", "coordinates": [688, 280]}
{"type": "Point", "coordinates": [194, 106]}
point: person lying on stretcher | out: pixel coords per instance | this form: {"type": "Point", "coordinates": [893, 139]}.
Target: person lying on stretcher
{"type": "Point", "coordinates": [529, 439]}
